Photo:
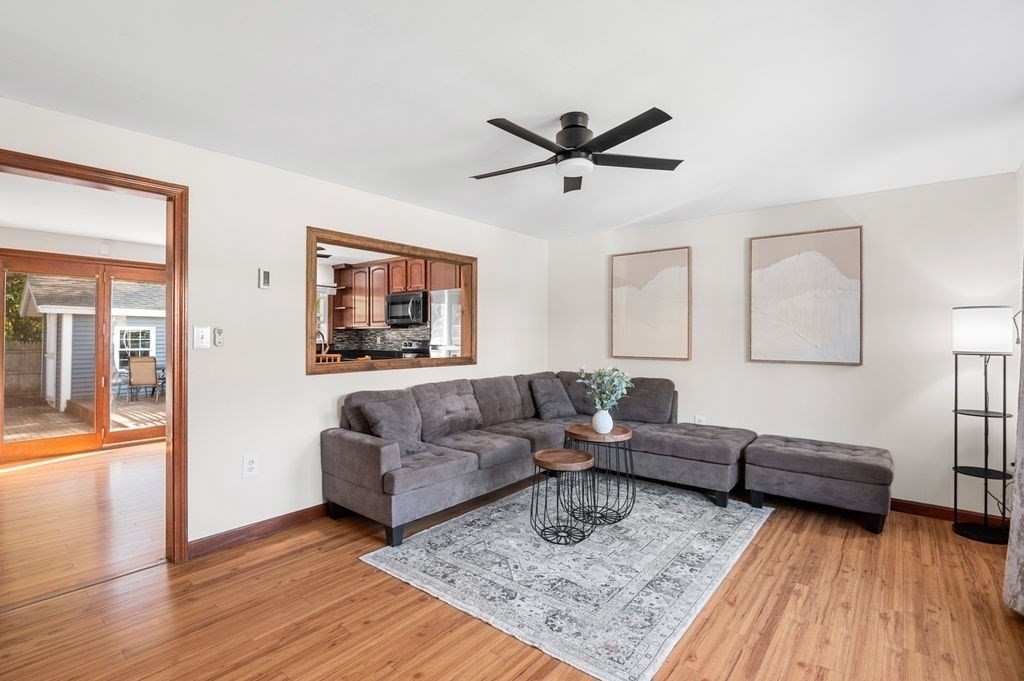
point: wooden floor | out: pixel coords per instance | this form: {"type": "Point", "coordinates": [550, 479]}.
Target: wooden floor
{"type": "Point", "coordinates": [74, 520]}
{"type": "Point", "coordinates": [814, 597]}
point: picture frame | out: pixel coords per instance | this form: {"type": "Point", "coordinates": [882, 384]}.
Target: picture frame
{"type": "Point", "coordinates": [651, 304]}
{"type": "Point", "coordinates": [806, 297]}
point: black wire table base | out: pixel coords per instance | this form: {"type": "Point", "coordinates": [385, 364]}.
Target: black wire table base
{"type": "Point", "coordinates": [555, 506]}
{"type": "Point", "coordinates": [610, 490]}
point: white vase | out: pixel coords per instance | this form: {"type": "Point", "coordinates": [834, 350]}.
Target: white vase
{"type": "Point", "coordinates": [602, 422]}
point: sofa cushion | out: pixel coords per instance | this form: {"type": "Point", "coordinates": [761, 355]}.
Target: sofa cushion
{"type": "Point", "coordinates": [526, 395]}
{"type": "Point", "coordinates": [397, 420]}
{"type": "Point", "coordinates": [577, 393]}
{"type": "Point", "coordinates": [448, 407]}
{"type": "Point", "coordinates": [649, 401]}
{"type": "Point", "coordinates": [432, 465]}
{"type": "Point", "coordinates": [551, 400]}
{"type": "Point", "coordinates": [824, 459]}
{"type": "Point", "coordinates": [498, 398]}
{"type": "Point", "coordinates": [491, 449]}
{"type": "Point", "coordinates": [541, 434]}
{"type": "Point", "coordinates": [354, 406]}
{"type": "Point", "coordinates": [712, 444]}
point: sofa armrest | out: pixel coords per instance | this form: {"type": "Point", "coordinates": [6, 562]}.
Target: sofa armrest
{"type": "Point", "coordinates": [358, 458]}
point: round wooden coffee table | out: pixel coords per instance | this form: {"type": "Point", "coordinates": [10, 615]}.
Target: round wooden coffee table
{"type": "Point", "coordinates": [611, 490]}
{"type": "Point", "coordinates": [559, 484]}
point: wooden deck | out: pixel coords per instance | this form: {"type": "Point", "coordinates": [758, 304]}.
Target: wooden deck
{"type": "Point", "coordinates": [40, 421]}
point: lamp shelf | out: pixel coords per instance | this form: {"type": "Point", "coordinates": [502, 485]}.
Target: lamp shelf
{"type": "Point", "coordinates": [981, 472]}
{"type": "Point", "coordinates": [984, 414]}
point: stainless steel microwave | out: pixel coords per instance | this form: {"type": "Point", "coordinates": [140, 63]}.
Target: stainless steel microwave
{"type": "Point", "coordinates": [407, 309]}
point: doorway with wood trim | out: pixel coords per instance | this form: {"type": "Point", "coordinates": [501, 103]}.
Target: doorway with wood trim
{"type": "Point", "coordinates": [94, 356]}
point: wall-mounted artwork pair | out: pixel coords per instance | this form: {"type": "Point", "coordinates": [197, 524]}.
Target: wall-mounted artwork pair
{"type": "Point", "coordinates": [805, 300]}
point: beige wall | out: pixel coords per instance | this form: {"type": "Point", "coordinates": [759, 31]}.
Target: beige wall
{"type": "Point", "coordinates": [49, 242]}
{"type": "Point", "coordinates": [252, 395]}
{"type": "Point", "coordinates": [926, 249]}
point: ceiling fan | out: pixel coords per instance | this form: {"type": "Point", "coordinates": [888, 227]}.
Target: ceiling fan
{"type": "Point", "coordinates": [576, 150]}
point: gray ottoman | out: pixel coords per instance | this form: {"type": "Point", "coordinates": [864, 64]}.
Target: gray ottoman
{"type": "Point", "coordinates": [688, 454]}
{"type": "Point", "coordinates": [847, 476]}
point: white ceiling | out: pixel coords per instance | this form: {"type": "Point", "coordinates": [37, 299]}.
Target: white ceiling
{"type": "Point", "coordinates": [773, 102]}
{"type": "Point", "coordinates": [48, 206]}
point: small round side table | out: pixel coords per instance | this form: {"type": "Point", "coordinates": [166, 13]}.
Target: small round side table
{"type": "Point", "coordinates": [559, 484]}
{"type": "Point", "coordinates": [611, 490]}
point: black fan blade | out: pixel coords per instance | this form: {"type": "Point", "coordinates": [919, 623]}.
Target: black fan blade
{"type": "Point", "coordinates": [521, 132]}
{"type": "Point", "coordinates": [323, 255]}
{"type": "Point", "coordinates": [635, 161]}
{"type": "Point", "coordinates": [571, 184]}
{"type": "Point", "coordinates": [628, 130]}
{"type": "Point", "coordinates": [506, 171]}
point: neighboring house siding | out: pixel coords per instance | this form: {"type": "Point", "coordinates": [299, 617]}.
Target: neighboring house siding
{"type": "Point", "coordinates": [83, 353]}
{"type": "Point", "coordinates": [161, 334]}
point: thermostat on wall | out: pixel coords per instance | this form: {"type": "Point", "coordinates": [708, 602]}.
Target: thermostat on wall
{"type": "Point", "coordinates": [264, 281]}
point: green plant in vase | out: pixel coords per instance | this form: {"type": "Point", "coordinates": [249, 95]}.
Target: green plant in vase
{"type": "Point", "coordinates": [605, 387]}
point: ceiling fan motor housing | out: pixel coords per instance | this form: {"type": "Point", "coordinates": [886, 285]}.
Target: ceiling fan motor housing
{"type": "Point", "coordinates": [574, 130]}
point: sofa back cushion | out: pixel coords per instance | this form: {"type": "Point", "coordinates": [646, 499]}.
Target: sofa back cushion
{"type": "Point", "coordinates": [523, 383]}
{"type": "Point", "coordinates": [447, 408]}
{"type": "Point", "coordinates": [354, 407]}
{"type": "Point", "coordinates": [577, 393]}
{"type": "Point", "coordinates": [649, 400]}
{"type": "Point", "coordinates": [397, 420]}
{"type": "Point", "coordinates": [498, 398]}
{"type": "Point", "coordinates": [552, 401]}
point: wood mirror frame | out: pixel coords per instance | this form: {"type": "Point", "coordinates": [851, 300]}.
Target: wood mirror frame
{"type": "Point", "coordinates": [468, 285]}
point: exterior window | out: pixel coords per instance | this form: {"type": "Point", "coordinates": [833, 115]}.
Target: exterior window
{"type": "Point", "coordinates": [134, 341]}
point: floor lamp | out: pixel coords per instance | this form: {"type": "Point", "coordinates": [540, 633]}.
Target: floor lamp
{"type": "Point", "coordinates": [985, 332]}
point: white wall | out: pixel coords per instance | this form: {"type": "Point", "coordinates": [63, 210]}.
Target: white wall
{"type": "Point", "coordinates": [50, 242]}
{"type": "Point", "coordinates": [926, 249]}
{"type": "Point", "coordinates": [252, 395]}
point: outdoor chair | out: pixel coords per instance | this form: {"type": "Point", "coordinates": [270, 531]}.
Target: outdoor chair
{"type": "Point", "coordinates": [141, 375]}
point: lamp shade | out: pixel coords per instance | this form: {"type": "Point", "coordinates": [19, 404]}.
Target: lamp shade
{"type": "Point", "coordinates": [983, 330]}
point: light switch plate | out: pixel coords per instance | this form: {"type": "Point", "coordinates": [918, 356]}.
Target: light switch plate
{"type": "Point", "coordinates": [264, 278]}
{"type": "Point", "coordinates": [201, 337]}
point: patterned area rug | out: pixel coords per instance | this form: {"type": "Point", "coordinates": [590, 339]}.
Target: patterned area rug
{"type": "Point", "coordinates": [613, 605]}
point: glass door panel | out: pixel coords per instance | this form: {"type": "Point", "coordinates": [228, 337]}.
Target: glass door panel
{"type": "Point", "coordinates": [49, 361]}
{"type": "Point", "coordinates": [138, 357]}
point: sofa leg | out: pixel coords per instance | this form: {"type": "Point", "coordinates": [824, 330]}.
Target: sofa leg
{"type": "Point", "coordinates": [394, 534]}
{"type": "Point", "coordinates": [876, 522]}
{"type": "Point", "coordinates": [756, 498]}
{"type": "Point", "coordinates": [334, 511]}
{"type": "Point", "coordinates": [721, 499]}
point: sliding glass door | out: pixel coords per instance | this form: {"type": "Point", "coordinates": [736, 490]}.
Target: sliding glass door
{"type": "Point", "coordinates": [138, 355]}
{"type": "Point", "coordinates": [83, 357]}
{"type": "Point", "coordinates": [49, 359]}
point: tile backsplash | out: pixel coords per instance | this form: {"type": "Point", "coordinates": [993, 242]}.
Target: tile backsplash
{"type": "Point", "coordinates": [367, 339]}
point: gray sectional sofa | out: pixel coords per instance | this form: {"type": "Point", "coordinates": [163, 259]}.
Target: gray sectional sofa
{"type": "Point", "coordinates": [470, 437]}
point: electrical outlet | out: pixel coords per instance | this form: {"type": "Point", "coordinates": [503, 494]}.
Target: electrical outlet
{"type": "Point", "coordinates": [700, 419]}
{"type": "Point", "coordinates": [250, 467]}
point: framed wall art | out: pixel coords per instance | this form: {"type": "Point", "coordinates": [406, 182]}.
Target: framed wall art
{"type": "Point", "coordinates": [806, 297]}
{"type": "Point", "coordinates": [651, 304]}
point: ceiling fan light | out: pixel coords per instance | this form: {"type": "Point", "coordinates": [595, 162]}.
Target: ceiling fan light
{"type": "Point", "coordinates": [575, 167]}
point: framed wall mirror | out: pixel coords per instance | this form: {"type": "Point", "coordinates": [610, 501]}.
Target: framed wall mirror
{"type": "Point", "coordinates": [373, 304]}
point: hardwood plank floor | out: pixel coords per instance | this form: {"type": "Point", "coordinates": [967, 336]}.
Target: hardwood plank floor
{"type": "Point", "coordinates": [75, 520]}
{"type": "Point", "coordinates": [815, 596]}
